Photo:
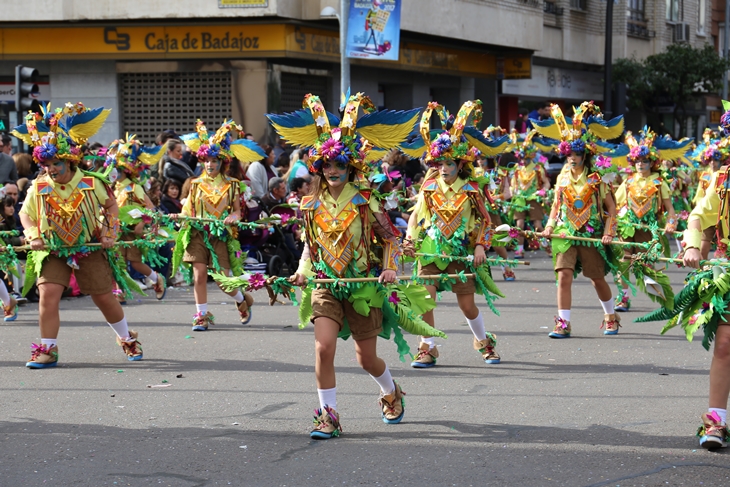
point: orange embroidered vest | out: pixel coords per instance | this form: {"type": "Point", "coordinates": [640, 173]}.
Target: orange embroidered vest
{"type": "Point", "coordinates": [65, 216]}
{"type": "Point", "coordinates": [578, 205]}
{"type": "Point", "coordinates": [641, 200]}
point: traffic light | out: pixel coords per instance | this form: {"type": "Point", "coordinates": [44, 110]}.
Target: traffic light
{"type": "Point", "coordinates": [26, 90]}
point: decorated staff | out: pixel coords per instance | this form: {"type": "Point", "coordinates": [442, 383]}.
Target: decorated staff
{"type": "Point", "coordinates": [66, 208]}
{"type": "Point", "coordinates": [451, 212]}
{"type": "Point", "coordinates": [644, 196]}
{"type": "Point", "coordinates": [583, 208]}
{"type": "Point", "coordinates": [130, 162]}
{"type": "Point", "coordinates": [348, 235]}
{"type": "Point", "coordinates": [214, 245]}
{"type": "Point", "coordinates": [704, 301]}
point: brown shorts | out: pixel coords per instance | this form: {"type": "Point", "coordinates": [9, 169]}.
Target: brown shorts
{"type": "Point", "coordinates": [708, 234]}
{"type": "Point", "coordinates": [593, 265]}
{"type": "Point", "coordinates": [495, 219]}
{"type": "Point", "coordinates": [131, 254]}
{"type": "Point", "coordinates": [94, 275]}
{"type": "Point", "coordinates": [361, 327]}
{"type": "Point", "coordinates": [640, 236]}
{"type": "Point", "coordinates": [198, 252]}
{"type": "Point", "coordinates": [458, 287]}
{"type": "Point", "coordinates": [536, 212]}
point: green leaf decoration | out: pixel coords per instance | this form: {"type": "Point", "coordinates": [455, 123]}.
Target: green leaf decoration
{"type": "Point", "coordinates": [33, 266]}
{"type": "Point", "coordinates": [305, 308]}
{"type": "Point", "coordinates": [181, 243]}
{"type": "Point", "coordinates": [483, 275]}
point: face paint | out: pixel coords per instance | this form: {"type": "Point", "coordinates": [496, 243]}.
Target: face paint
{"type": "Point", "coordinates": [449, 170]}
{"type": "Point", "coordinates": [212, 167]}
{"type": "Point", "coordinates": [575, 159]}
{"type": "Point", "coordinates": [335, 173]}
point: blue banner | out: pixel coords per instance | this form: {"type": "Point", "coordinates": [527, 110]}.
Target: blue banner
{"type": "Point", "coordinates": [373, 29]}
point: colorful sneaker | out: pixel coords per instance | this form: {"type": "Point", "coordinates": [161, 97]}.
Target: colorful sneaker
{"type": "Point", "coordinates": [561, 330]}
{"type": "Point", "coordinates": [519, 254]}
{"type": "Point", "coordinates": [160, 287]}
{"type": "Point", "coordinates": [392, 405]}
{"type": "Point", "coordinates": [486, 348]}
{"type": "Point", "coordinates": [426, 356]}
{"type": "Point", "coordinates": [612, 324]}
{"type": "Point", "coordinates": [244, 308]}
{"type": "Point", "coordinates": [42, 357]}
{"type": "Point", "coordinates": [132, 347]}
{"type": "Point", "coordinates": [11, 310]}
{"type": "Point", "coordinates": [202, 321]}
{"type": "Point", "coordinates": [508, 274]}
{"type": "Point", "coordinates": [622, 302]}
{"type": "Point", "coordinates": [712, 433]}
{"type": "Point", "coordinates": [326, 424]}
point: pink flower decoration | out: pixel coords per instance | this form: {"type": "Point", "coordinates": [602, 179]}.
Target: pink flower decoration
{"type": "Point", "coordinates": [540, 192]}
{"type": "Point", "coordinates": [331, 148]}
{"type": "Point", "coordinates": [256, 281]}
{"type": "Point", "coordinates": [564, 148]}
{"type": "Point", "coordinates": [513, 233]}
{"type": "Point", "coordinates": [589, 229]}
{"type": "Point", "coordinates": [393, 298]}
{"type": "Point", "coordinates": [603, 162]}
{"type": "Point", "coordinates": [683, 215]}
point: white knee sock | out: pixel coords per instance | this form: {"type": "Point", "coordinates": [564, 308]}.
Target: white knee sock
{"type": "Point", "coordinates": [49, 342]}
{"type": "Point", "coordinates": [720, 412]}
{"type": "Point", "coordinates": [121, 328]}
{"type": "Point", "coordinates": [152, 277]}
{"type": "Point", "coordinates": [477, 327]}
{"type": "Point", "coordinates": [503, 269]}
{"type": "Point", "coordinates": [385, 382]}
{"type": "Point", "coordinates": [328, 397]}
{"type": "Point", "coordinates": [4, 295]}
{"type": "Point", "coordinates": [608, 307]}
{"type": "Point", "coordinates": [564, 314]}
{"type": "Point", "coordinates": [201, 308]}
{"type": "Point", "coordinates": [430, 340]}
{"type": "Point", "coordinates": [238, 297]}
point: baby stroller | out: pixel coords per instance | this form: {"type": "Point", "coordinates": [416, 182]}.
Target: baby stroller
{"type": "Point", "coordinates": [274, 251]}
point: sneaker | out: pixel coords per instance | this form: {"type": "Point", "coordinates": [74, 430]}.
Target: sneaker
{"type": "Point", "coordinates": [244, 308]}
{"type": "Point", "coordinates": [160, 287]}
{"type": "Point", "coordinates": [611, 324]}
{"type": "Point", "coordinates": [392, 405]}
{"type": "Point", "coordinates": [712, 433]}
{"type": "Point", "coordinates": [326, 424]}
{"type": "Point", "coordinates": [426, 356]}
{"type": "Point", "coordinates": [11, 310]}
{"type": "Point", "coordinates": [622, 302]}
{"type": "Point", "coordinates": [42, 357]}
{"type": "Point", "coordinates": [508, 274]}
{"type": "Point", "coordinates": [202, 321]}
{"type": "Point", "coordinates": [19, 298]}
{"type": "Point", "coordinates": [519, 254]}
{"type": "Point", "coordinates": [486, 348]}
{"type": "Point", "coordinates": [132, 347]}
{"type": "Point", "coordinates": [561, 330]}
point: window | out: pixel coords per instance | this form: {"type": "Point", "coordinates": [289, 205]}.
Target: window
{"type": "Point", "coordinates": [702, 5]}
{"type": "Point", "coordinates": [636, 10]}
{"type": "Point", "coordinates": [673, 10]}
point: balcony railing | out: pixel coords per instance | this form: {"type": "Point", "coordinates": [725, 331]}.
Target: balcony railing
{"type": "Point", "coordinates": [579, 4]}
{"type": "Point", "coordinates": [552, 8]}
{"type": "Point", "coordinates": [639, 29]}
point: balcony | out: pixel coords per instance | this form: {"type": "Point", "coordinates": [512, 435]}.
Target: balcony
{"type": "Point", "coordinates": [579, 5]}
{"type": "Point", "coordinates": [636, 28]}
{"type": "Point", "coordinates": [552, 8]}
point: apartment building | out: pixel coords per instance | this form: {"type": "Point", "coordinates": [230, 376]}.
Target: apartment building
{"type": "Point", "coordinates": [161, 65]}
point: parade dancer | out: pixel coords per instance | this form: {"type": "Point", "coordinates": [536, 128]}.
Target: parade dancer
{"type": "Point", "coordinates": [208, 235]}
{"type": "Point", "coordinates": [644, 196]}
{"type": "Point", "coordinates": [451, 211]}
{"type": "Point", "coordinates": [343, 221]}
{"type": "Point", "coordinates": [582, 201]}
{"type": "Point", "coordinates": [132, 162]}
{"type": "Point", "coordinates": [65, 210]}
{"type": "Point", "coordinates": [714, 154]}
{"type": "Point", "coordinates": [529, 185]}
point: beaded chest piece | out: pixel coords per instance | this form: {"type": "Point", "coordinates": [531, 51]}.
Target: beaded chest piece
{"type": "Point", "coordinates": [63, 214]}
{"type": "Point", "coordinates": [214, 198]}
{"type": "Point", "coordinates": [448, 211]}
{"type": "Point", "coordinates": [577, 203]}
{"type": "Point", "coordinates": [526, 179]}
{"type": "Point", "coordinates": [641, 199]}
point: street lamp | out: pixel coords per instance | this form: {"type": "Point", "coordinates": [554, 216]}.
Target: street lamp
{"type": "Point", "coordinates": [328, 13]}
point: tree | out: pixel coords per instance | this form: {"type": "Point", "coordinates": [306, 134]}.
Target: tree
{"type": "Point", "coordinates": [671, 79]}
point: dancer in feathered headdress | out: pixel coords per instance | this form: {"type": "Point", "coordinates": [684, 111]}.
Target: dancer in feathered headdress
{"type": "Point", "coordinates": [344, 223]}
{"type": "Point", "coordinates": [582, 199]}
{"type": "Point", "coordinates": [65, 209]}
{"type": "Point", "coordinates": [450, 218]}
{"type": "Point", "coordinates": [704, 301]}
{"type": "Point", "coordinates": [208, 235]}
{"type": "Point", "coordinates": [128, 162]}
{"type": "Point", "coordinates": [644, 198]}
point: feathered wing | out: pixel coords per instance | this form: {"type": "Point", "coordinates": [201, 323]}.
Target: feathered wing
{"type": "Point", "coordinates": [672, 149]}
{"type": "Point", "coordinates": [247, 150]}
{"type": "Point", "coordinates": [151, 155]}
{"type": "Point", "coordinates": [606, 130]}
{"type": "Point", "coordinates": [299, 128]}
{"type": "Point", "coordinates": [487, 146]}
{"type": "Point", "coordinates": [415, 149]}
{"type": "Point", "coordinates": [387, 129]}
{"type": "Point", "coordinates": [547, 128]}
{"type": "Point", "coordinates": [375, 154]}
{"type": "Point", "coordinates": [619, 155]}
{"type": "Point", "coordinates": [544, 144]}
{"type": "Point", "coordinates": [604, 147]}
{"type": "Point", "coordinates": [192, 141]}
{"type": "Point", "coordinates": [83, 126]}
{"type": "Point", "coordinates": [21, 132]}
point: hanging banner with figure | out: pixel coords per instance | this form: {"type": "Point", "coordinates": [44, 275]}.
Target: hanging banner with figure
{"type": "Point", "coordinates": [373, 29]}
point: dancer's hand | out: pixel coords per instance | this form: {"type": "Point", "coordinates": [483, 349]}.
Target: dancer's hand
{"type": "Point", "coordinates": [107, 242]}
{"type": "Point", "coordinates": [37, 244]}
{"type": "Point", "coordinates": [606, 239]}
{"type": "Point", "coordinates": [173, 216]}
{"type": "Point", "coordinates": [298, 280]}
{"type": "Point", "coordinates": [387, 276]}
{"type": "Point", "coordinates": [139, 228]}
{"type": "Point", "coordinates": [692, 258]}
{"type": "Point", "coordinates": [547, 232]}
{"type": "Point", "coordinates": [408, 249]}
{"type": "Point", "coordinates": [232, 218]}
{"type": "Point", "coordinates": [479, 255]}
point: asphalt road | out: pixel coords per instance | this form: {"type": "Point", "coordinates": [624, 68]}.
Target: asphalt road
{"type": "Point", "coordinates": [587, 411]}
